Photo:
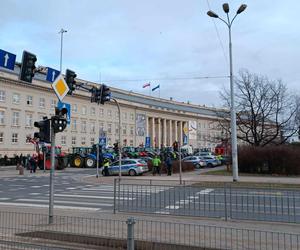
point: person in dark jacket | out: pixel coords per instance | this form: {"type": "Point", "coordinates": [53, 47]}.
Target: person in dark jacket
{"type": "Point", "coordinates": [168, 162]}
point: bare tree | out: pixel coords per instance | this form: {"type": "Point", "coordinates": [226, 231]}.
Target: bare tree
{"type": "Point", "coordinates": [266, 112]}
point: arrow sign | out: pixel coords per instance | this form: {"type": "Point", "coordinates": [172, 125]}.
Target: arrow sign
{"type": "Point", "coordinates": [7, 60]}
{"type": "Point", "coordinates": [52, 74]}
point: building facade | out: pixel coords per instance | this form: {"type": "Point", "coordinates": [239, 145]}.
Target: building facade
{"type": "Point", "coordinates": [164, 121]}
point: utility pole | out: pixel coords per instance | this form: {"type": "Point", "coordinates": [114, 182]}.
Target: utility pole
{"type": "Point", "coordinates": [61, 32]}
{"type": "Point", "coordinates": [120, 146]}
{"type": "Point", "coordinates": [51, 188]}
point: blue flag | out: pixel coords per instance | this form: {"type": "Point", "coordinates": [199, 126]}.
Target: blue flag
{"type": "Point", "coordinates": [157, 87]}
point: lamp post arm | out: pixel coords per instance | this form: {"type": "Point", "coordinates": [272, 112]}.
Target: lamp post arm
{"type": "Point", "coordinates": [230, 23]}
{"type": "Point", "coordinates": [224, 21]}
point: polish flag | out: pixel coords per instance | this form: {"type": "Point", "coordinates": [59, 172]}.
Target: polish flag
{"type": "Point", "coordinates": [146, 85]}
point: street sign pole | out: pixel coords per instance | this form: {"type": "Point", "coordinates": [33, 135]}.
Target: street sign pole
{"type": "Point", "coordinates": [180, 164]}
{"type": "Point", "coordinates": [120, 146]}
{"type": "Point", "coordinates": [97, 164]}
{"type": "Point", "coordinates": [51, 191]}
{"type": "Point", "coordinates": [44, 160]}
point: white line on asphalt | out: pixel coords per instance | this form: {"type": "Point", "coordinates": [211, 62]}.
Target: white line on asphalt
{"type": "Point", "coordinates": [4, 199]}
{"type": "Point", "coordinates": [93, 197]}
{"type": "Point", "coordinates": [36, 186]}
{"type": "Point", "coordinates": [46, 206]}
{"type": "Point", "coordinates": [182, 202]}
{"type": "Point", "coordinates": [205, 191]}
{"type": "Point", "coordinates": [70, 188]}
{"type": "Point", "coordinates": [162, 212]}
{"type": "Point", "coordinates": [34, 193]}
{"type": "Point", "coordinates": [47, 185]}
{"type": "Point", "coordinates": [172, 207]}
{"type": "Point", "coordinates": [67, 202]}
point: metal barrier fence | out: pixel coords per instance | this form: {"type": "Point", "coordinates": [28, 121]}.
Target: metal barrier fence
{"type": "Point", "coordinates": [32, 231]}
{"type": "Point", "coordinates": [221, 201]}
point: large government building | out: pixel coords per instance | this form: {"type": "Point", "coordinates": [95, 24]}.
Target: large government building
{"type": "Point", "coordinates": [162, 121]}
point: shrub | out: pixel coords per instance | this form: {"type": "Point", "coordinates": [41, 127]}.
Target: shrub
{"type": "Point", "coordinates": [282, 160]}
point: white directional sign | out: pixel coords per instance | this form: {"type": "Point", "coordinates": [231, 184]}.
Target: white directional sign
{"type": "Point", "coordinates": [60, 87]}
{"type": "Point", "coordinates": [7, 59]}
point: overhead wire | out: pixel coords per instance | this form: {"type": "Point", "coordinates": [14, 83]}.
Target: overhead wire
{"type": "Point", "coordinates": [218, 35]}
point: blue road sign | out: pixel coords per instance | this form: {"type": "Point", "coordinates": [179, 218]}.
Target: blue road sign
{"type": "Point", "coordinates": [147, 142]}
{"type": "Point", "coordinates": [102, 141]}
{"type": "Point", "coordinates": [7, 60]}
{"type": "Point", "coordinates": [61, 105]}
{"type": "Point", "coordinates": [185, 139]}
{"type": "Point", "coordinates": [52, 74]}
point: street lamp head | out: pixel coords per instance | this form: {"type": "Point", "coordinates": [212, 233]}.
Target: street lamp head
{"type": "Point", "coordinates": [241, 8]}
{"type": "Point", "coordinates": [212, 14]}
{"type": "Point", "coordinates": [226, 7]}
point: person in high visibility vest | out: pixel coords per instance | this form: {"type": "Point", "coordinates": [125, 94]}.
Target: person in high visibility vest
{"type": "Point", "coordinates": [105, 166]}
{"type": "Point", "coordinates": [156, 165]}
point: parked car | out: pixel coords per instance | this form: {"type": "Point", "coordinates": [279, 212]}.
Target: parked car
{"type": "Point", "coordinates": [196, 160]}
{"type": "Point", "coordinates": [211, 161]}
{"type": "Point", "coordinates": [130, 167]}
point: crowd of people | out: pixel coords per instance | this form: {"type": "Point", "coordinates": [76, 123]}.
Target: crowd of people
{"type": "Point", "coordinates": [167, 159]}
{"type": "Point", "coordinates": [29, 162]}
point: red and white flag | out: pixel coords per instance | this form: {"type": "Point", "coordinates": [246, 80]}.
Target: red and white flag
{"type": "Point", "coordinates": [146, 85]}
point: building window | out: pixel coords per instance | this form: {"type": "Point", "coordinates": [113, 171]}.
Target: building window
{"type": "Point", "coordinates": [93, 128]}
{"type": "Point", "coordinates": [82, 140]}
{"type": "Point", "coordinates": [16, 119]}
{"type": "Point", "coordinates": [74, 124]}
{"type": "Point", "coordinates": [73, 140]}
{"type": "Point", "coordinates": [124, 116]}
{"type": "Point", "coordinates": [1, 137]}
{"type": "Point", "coordinates": [109, 113]}
{"type": "Point", "coordinates": [42, 102]}
{"type": "Point", "coordinates": [117, 115]}
{"type": "Point", "coordinates": [101, 112]}
{"type": "Point", "coordinates": [29, 100]}
{"type": "Point", "coordinates": [92, 140]}
{"type": "Point", "coordinates": [101, 126]}
{"type": "Point", "coordinates": [84, 110]}
{"type": "Point", "coordinates": [117, 128]}
{"type": "Point", "coordinates": [53, 104]}
{"type": "Point", "coordinates": [132, 117]}
{"type": "Point", "coordinates": [109, 128]}
{"type": "Point", "coordinates": [28, 120]}
{"type": "Point", "coordinates": [131, 143]}
{"type": "Point", "coordinates": [1, 117]}
{"type": "Point", "coordinates": [131, 130]}
{"type": "Point", "coordinates": [14, 138]}
{"type": "Point", "coordinates": [63, 140]}
{"type": "Point", "coordinates": [2, 96]}
{"type": "Point", "coordinates": [74, 108]}
{"type": "Point", "coordinates": [124, 129]}
{"type": "Point", "coordinates": [16, 98]}
{"type": "Point", "coordinates": [93, 111]}
{"type": "Point", "coordinates": [83, 126]}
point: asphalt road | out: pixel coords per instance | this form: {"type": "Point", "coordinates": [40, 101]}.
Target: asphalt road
{"type": "Point", "coordinates": [70, 192]}
{"type": "Point", "coordinates": [237, 203]}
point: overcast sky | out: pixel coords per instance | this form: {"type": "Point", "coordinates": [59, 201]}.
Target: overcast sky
{"type": "Point", "coordinates": [157, 41]}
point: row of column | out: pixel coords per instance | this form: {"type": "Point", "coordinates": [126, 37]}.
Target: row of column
{"type": "Point", "coordinates": [163, 132]}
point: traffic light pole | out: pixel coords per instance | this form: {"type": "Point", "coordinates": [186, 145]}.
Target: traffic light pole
{"type": "Point", "coordinates": [51, 194]}
{"type": "Point", "coordinates": [180, 163]}
{"type": "Point", "coordinates": [120, 146]}
{"type": "Point", "coordinates": [97, 163]}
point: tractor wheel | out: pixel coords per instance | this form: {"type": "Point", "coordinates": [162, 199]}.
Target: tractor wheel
{"type": "Point", "coordinates": [90, 162]}
{"type": "Point", "coordinates": [77, 161]}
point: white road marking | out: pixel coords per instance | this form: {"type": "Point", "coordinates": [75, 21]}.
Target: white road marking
{"type": "Point", "coordinates": [92, 197]}
{"type": "Point", "coordinates": [4, 199]}
{"type": "Point", "coordinates": [67, 202]}
{"type": "Point", "coordinates": [34, 193]}
{"type": "Point", "coordinates": [172, 207]}
{"type": "Point", "coordinates": [183, 202]}
{"type": "Point", "coordinates": [205, 191]}
{"type": "Point", "coordinates": [46, 206]}
{"type": "Point", "coordinates": [71, 188]}
{"type": "Point", "coordinates": [162, 212]}
{"type": "Point", "coordinates": [36, 186]}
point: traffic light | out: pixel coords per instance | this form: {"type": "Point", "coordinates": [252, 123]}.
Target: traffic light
{"type": "Point", "coordinates": [27, 66]}
{"type": "Point", "coordinates": [105, 94]}
{"type": "Point", "coordinates": [70, 80]}
{"type": "Point", "coordinates": [59, 121]}
{"type": "Point", "coordinates": [44, 134]}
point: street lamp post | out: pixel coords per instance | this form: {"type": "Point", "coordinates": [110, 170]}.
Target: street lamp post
{"type": "Point", "coordinates": [232, 106]}
{"type": "Point", "coordinates": [61, 32]}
